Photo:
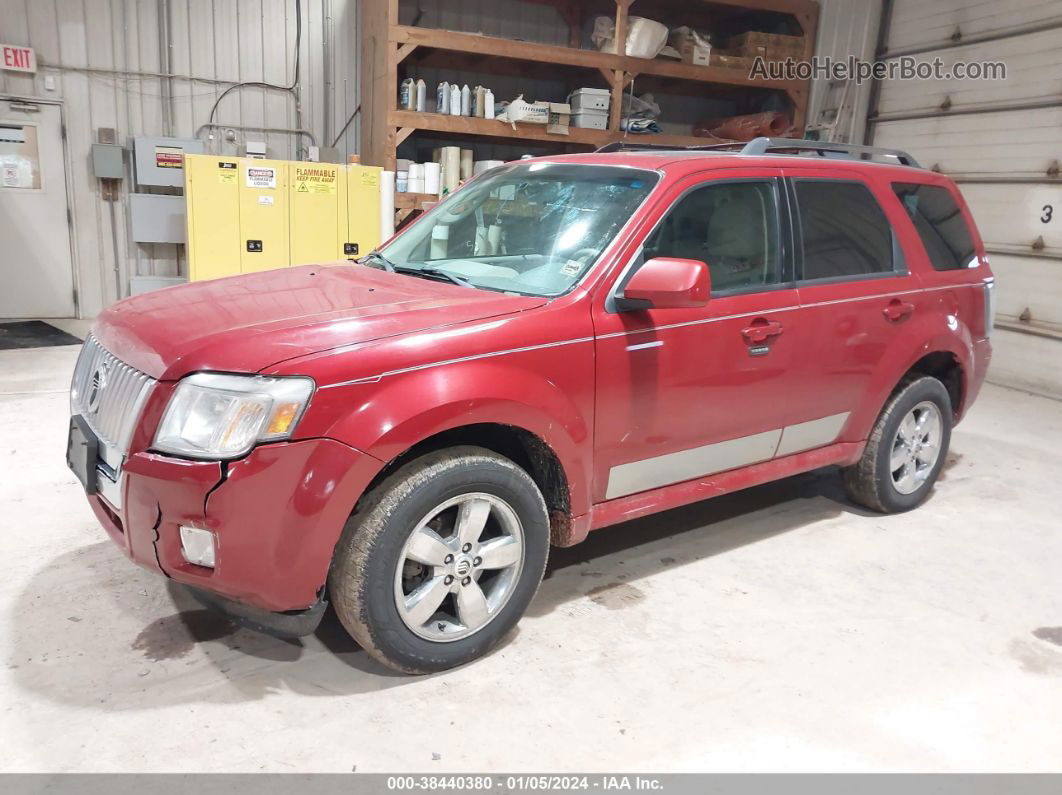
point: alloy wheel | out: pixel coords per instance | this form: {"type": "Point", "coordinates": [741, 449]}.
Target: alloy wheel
{"type": "Point", "coordinates": [916, 447]}
{"type": "Point", "coordinates": [459, 567]}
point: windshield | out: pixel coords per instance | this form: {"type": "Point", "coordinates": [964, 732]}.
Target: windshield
{"type": "Point", "coordinates": [531, 228]}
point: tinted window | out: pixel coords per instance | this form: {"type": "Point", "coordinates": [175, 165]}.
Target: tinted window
{"type": "Point", "coordinates": [733, 227]}
{"type": "Point", "coordinates": [845, 231]}
{"type": "Point", "coordinates": [940, 224]}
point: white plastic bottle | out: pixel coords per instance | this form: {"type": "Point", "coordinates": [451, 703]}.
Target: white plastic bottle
{"type": "Point", "coordinates": [406, 92]}
{"type": "Point", "coordinates": [455, 100]}
{"type": "Point", "coordinates": [488, 104]}
{"type": "Point", "coordinates": [422, 95]}
{"type": "Point", "coordinates": [442, 98]}
{"type": "Point", "coordinates": [466, 100]}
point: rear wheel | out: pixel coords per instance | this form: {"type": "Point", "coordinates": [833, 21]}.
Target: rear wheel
{"type": "Point", "coordinates": [906, 449]}
{"type": "Point", "coordinates": [441, 559]}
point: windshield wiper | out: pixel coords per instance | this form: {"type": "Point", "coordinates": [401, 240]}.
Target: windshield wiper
{"type": "Point", "coordinates": [428, 273]}
{"type": "Point", "coordinates": [376, 255]}
{"type": "Point", "coordinates": [435, 273]}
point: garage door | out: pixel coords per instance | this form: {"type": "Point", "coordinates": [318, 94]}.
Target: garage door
{"type": "Point", "coordinates": [1002, 141]}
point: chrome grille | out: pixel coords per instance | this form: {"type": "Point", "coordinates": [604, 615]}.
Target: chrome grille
{"type": "Point", "coordinates": [109, 394]}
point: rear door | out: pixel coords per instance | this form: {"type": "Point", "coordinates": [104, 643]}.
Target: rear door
{"type": "Point", "coordinates": [856, 292]}
{"type": "Point", "coordinates": [685, 393]}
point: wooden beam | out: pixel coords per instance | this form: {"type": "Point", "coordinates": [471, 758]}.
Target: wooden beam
{"type": "Point", "coordinates": [404, 51]}
{"type": "Point", "coordinates": [403, 134]}
{"type": "Point", "coordinates": [616, 107]}
{"type": "Point", "coordinates": [567, 56]}
{"type": "Point", "coordinates": [472, 127]}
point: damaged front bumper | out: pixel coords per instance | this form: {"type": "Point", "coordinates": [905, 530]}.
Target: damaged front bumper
{"type": "Point", "coordinates": [276, 516]}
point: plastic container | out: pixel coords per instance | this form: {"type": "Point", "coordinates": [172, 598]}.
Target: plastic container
{"type": "Point", "coordinates": [590, 120]}
{"type": "Point", "coordinates": [407, 94]}
{"type": "Point", "coordinates": [590, 99]}
{"type": "Point", "coordinates": [442, 98]}
{"type": "Point", "coordinates": [422, 95]}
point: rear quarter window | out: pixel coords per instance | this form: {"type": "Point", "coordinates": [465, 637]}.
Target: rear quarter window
{"type": "Point", "coordinates": [940, 223]}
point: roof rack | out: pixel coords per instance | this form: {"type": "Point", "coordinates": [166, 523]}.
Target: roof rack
{"type": "Point", "coordinates": [762, 146]}
{"type": "Point", "coordinates": [629, 146]}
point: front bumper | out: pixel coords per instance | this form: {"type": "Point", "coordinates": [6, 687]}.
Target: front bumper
{"type": "Point", "coordinates": [276, 515]}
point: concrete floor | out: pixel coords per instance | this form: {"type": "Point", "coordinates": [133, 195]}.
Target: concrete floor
{"type": "Point", "coordinates": [776, 629]}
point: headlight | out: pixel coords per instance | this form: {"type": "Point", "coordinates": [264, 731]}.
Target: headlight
{"type": "Point", "coordinates": [223, 416]}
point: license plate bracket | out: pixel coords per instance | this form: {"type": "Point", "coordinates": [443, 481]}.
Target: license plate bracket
{"type": "Point", "coordinates": [82, 451]}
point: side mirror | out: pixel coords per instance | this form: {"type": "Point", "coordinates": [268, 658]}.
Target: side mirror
{"type": "Point", "coordinates": [667, 283]}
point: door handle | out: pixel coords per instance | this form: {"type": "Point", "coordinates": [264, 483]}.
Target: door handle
{"type": "Point", "coordinates": [761, 330]}
{"type": "Point", "coordinates": [897, 310]}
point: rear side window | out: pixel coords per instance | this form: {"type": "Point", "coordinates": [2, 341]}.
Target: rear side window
{"type": "Point", "coordinates": [940, 224]}
{"type": "Point", "coordinates": [844, 229]}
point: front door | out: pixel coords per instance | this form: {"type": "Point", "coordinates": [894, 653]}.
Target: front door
{"type": "Point", "coordinates": [686, 393]}
{"type": "Point", "coordinates": [35, 264]}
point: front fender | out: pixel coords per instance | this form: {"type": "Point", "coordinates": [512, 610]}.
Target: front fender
{"type": "Point", "coordinates": [387, 417]}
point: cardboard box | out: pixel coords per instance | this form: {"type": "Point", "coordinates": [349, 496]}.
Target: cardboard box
{"type": "Point", "coordinates": [692, 47]}
{"type": "Point", "coordinates": [537, 113]}
{"type": "Point", "coordinates": [559, 116]}
{"type": "Point", "coordinates": [771, 46]}
{"type": "Point", "coordinates": [730, 60]}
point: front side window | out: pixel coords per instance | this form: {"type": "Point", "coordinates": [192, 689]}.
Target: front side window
{"type": "Point", "coordinates": [731, 226]}
{"type": "Point", "coordinates": [844, 229]}
{"type": "Point", "coordinates": [531, 228]}
{"type": "Point", "coordinates": [939, 223]}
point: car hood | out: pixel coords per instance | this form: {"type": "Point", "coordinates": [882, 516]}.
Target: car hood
{"type": "Point", "coordinates": [246, 323]}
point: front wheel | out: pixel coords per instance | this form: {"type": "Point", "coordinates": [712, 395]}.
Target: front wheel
{"type": "Point", "coordinates": [906, 449]}
{"type": "Point", "coordinates": [441, 559]}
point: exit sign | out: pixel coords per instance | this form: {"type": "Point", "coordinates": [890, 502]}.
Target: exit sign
{"type": "Point", "coordinates": [18, 59]}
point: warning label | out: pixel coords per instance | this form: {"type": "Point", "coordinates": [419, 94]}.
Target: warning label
{"type": "Point", "coordinates": [169, 157]}
{"type": "Point", "coordinates": [309, 179]}
{"type": "Point", "coordinates": [261, 177]}
{"type": "Point", "coordinates": [227, 173]}
{"type": "Point", "coordinates": [369, 177]}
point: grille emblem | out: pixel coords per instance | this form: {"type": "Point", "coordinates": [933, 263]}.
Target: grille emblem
{"type": "Point", "coordinates": [99, 382]}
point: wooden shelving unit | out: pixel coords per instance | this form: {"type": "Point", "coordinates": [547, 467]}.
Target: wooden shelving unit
{"type": "Point", "coordinates": [386, 44]}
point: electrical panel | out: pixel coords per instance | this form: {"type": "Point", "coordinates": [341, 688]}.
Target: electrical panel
{"type": "Point", "coordinates": [160, 161]}
{"type": "Point", "coordinates": [246, 215]}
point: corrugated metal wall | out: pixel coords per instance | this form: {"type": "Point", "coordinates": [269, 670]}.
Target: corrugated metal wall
{"type": "Point", "coordinates": [108, 58]}
{"type": "Point", "coordinates": [846, 27]}
{"type": "Point", "coordinates": [1000, 139]}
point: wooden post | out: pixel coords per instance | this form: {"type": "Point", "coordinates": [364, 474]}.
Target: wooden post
{"type": "Point", "coordinates": [616, 107]}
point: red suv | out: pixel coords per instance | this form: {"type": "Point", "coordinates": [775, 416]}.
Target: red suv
{"type": "Point", "coordinates": [563, 344]}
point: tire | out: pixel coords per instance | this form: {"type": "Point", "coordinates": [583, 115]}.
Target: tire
{"type": "Point", "coordinates": [382, 605]}
{"type": "Point", "coordinates": [874, 481]}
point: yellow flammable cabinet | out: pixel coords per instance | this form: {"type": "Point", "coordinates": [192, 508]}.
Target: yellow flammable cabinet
{"type": "Point", "coordinates": [246, 215]}
{"type": "Point", "coordinates": [263, 215]}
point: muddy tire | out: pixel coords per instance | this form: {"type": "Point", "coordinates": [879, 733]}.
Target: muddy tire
{"type": "Point", "coordinates": [441, 559]}
{"type": "Point", "coordinates": [906, 450]}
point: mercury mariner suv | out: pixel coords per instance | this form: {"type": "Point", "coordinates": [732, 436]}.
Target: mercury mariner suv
{"type": "Point", "coordinates": [563, 344]}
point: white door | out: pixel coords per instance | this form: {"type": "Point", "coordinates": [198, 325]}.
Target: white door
{"type": "Point", "coordinates": [36, 270]}
{"type": "Point", "coordinates": [999, 139]}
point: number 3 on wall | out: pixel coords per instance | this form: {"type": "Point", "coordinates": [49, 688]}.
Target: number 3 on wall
{"type": "Point", "coordinates": [1049, 212]}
